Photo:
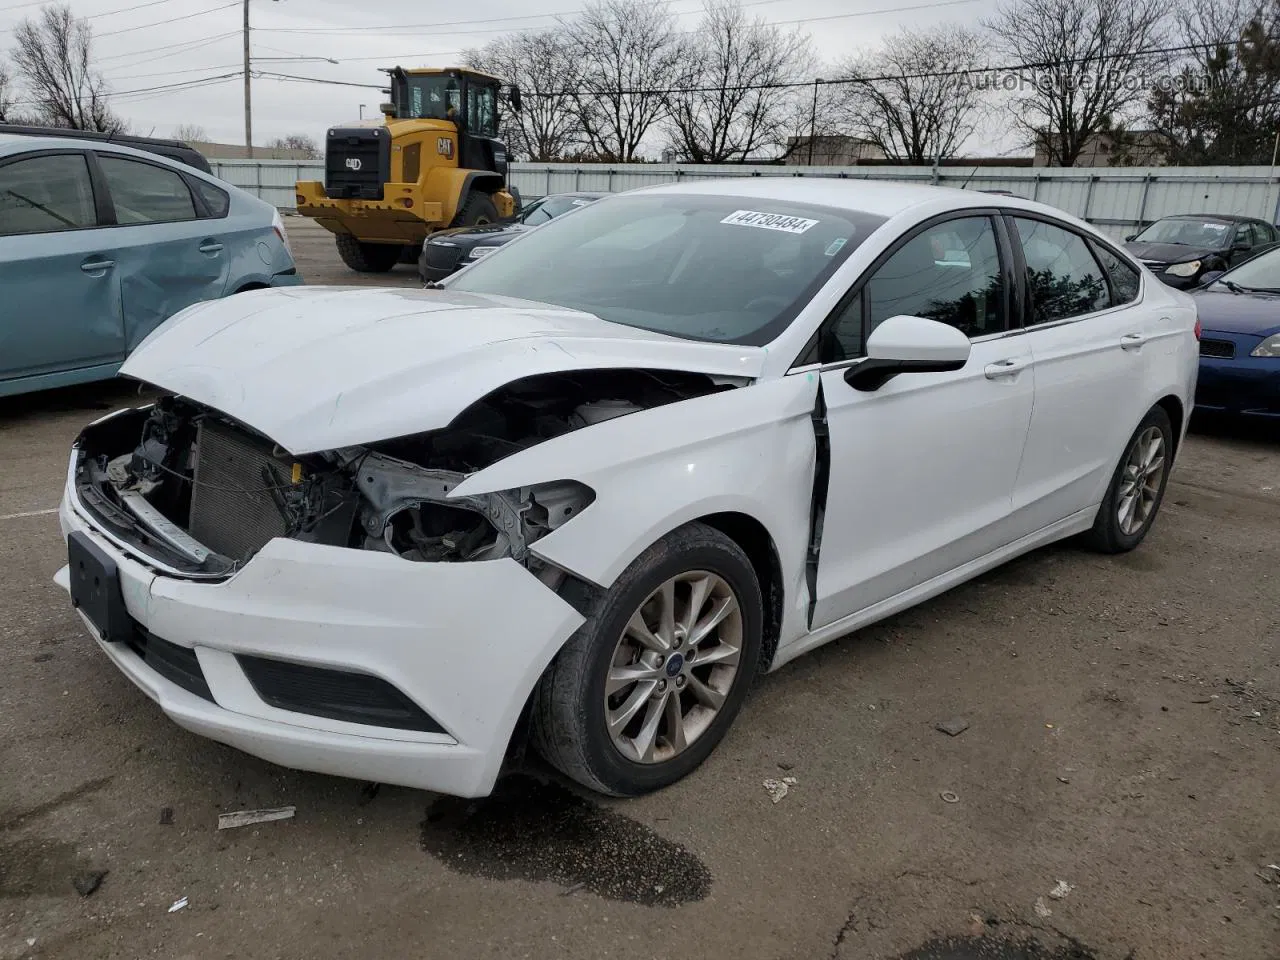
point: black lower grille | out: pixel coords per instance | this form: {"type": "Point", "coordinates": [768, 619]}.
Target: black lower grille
{"type": "Point", "coordinates": [437, 256]}
{"type": "Point", "coordinates": [1222, 349]}
{"type": "Point", "coordinates": [233, 506]}
{"type": "Point", "coordinates": [176, 664]}
{"type": "Point", "coordinates": [335, 694]}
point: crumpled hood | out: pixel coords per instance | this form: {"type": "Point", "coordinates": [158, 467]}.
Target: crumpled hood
{"type": "Point", "coordinates": [315, 368]}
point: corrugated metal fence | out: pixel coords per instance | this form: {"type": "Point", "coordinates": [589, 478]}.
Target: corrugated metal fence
{"type": "Point", "coordinates": [1116, 199]}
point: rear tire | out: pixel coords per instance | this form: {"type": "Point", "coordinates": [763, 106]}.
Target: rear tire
{"type": "Point", "coordinates": [1137, 487]}
{"type": "Point", "coordinates": [368, 257]}
{"type": "Point", "coordinates": [677, 681]}
{"type": "Point", "coordinates": [476, 209]}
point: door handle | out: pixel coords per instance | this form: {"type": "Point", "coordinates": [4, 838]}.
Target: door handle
{"type": "Point", "coordinates": [1132, 341]}
{"type": "Point", "coordinates": [97, 266]}
{"type": "Point", "coordinates": [211, 246]}
{"type": "Point", "coordinates": [1004, 368]}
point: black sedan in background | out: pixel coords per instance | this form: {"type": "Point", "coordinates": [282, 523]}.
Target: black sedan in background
{"type": "Point", "coordinates": [449, 250]}
{"type": "Point", "coordinates": [1181, 250]}
{"type": "Point", "coordinates": [1240, 340]}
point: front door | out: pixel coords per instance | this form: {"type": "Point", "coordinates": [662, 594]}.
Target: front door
{"type": "Point", "coordinates": [922, 469]}
{"type": "Point", "coordinates": [57, 270]}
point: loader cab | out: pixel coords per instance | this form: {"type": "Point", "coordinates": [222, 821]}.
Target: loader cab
{"type": "Point", "coordinates": [466, 98]}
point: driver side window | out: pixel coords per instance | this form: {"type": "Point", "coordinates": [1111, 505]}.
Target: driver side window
{"type": "Point", "coordinates": [949, 272]}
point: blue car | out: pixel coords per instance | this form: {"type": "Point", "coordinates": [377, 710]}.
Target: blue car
{"type": "Point", "coordinates": [100, 243]}
{"type": "Point", "coordinates": [1240, 339]}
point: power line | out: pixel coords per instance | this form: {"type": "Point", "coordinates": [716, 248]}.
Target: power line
{"type": "Point", "coordinates": [805, 84]}
{"type": "Point", "coordinates": [401, 27]}
{"type": "Point", "coordinates": [163, 88]}
{"type": "Point", "coordinates": [161, 23]}
{"type": "Point", "coordinates": [188, 46]}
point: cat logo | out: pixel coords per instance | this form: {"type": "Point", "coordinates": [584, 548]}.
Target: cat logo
{"type": "Point", "coordinates": [444, 146]}
{"type": "Point", "coordinates": [354, 163]}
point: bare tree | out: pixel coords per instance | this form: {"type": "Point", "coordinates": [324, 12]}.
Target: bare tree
{"type": "Point", "coordinates": [913, 102]}
{"type": "Point", "coordinates": [541, 64]}
{"type": "Point", "coordinates": [54, 56]}
{"type": "Point", "coordinates": [190, 133]}
{"type": "Point", "coordinates": [626, 54]}
{"type": "Point", "coordinates": [299, 142]}
{"type": "Point", "coordinates": [730, 103]}
{"type": "Point", "coordinates": [8, 95]}
{"type": "Point", "coordinates": [1083, 57]}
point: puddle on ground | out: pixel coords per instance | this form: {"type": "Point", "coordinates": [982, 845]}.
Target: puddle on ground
{"type": "Point", "coordinates": [529, 830]}
{"type": "Point", "coordinates": [993, 948]}
{"type": "Point", "coordinates": [37, 867]}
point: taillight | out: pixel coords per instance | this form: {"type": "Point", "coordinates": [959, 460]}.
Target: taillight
{"type": "Point", "coordinates": [1197, 328]}
{"type": "Point", "coordinates": [277, 224]}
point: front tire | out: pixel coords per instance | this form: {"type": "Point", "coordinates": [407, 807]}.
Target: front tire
{"type": "Point", "coordinates": [478, 208]}
{"type": "Point", "coordinates": [368, 257]}
{"type": "Point", "coordinates": [1137, 487]}
{"type": "Point", "coordinates": [644, 691]}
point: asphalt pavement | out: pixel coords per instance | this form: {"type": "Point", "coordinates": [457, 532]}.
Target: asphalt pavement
{"type": "Point", "coordinates": [1113, 796]}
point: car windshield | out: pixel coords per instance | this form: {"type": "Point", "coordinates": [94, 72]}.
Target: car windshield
{"type": "Point", "coordinates": [1260, 273]}
{"type": "Point", "coordinates": [1186, 232]}
{"type": "Point", "coordinates": [550, 207]}
{"type": "Point", "coordinates": [727, 269]}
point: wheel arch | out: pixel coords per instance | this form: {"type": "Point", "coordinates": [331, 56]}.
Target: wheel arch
{"type": "Point", "coordinates": [757, 543]}
{"type": "Point", "coordinates": [1172, 405]}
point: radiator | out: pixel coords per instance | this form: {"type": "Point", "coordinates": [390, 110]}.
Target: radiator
{"type": "Point", "coordinates": [232, 510]}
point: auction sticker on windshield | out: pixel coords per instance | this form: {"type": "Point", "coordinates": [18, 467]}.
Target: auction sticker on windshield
{"type": "Point", "coordinates": [769, 221]}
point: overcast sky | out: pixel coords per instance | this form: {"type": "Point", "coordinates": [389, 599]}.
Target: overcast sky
{"type": "Point", "coordinates": [136, 51]}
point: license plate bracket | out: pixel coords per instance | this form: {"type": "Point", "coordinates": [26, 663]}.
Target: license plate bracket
{"type": "Point", "coordinates": [95, 588]}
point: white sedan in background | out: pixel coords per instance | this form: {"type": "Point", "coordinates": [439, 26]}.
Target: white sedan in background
{"type": "Point", "coordinates": [599, 480]}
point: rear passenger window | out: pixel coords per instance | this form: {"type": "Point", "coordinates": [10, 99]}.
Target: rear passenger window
{"type": "Point", "coordinates": [1064, 278]}
{"type": "Point", "coordinates": [46, 194]}
{"type": "Point", "coordinates": [146, 193]}
{"type": "Point", "coordinates": [217, 201]}
{"type": "Point", "coordinates": [1124, 278]}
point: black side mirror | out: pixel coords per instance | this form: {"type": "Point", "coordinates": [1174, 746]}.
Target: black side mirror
{"type": "Point", "coordinates": [1210, 277]}
{"type": "Point", "coordinates": [515, 98]}
{"type": "Point", "coordinates": [1240, 246]}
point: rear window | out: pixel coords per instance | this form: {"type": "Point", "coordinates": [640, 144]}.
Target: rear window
{"type": "Point", "coordinates": [726, 269]}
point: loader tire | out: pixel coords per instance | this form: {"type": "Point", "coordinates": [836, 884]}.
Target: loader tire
{"type": "Point", "coordinates": [477, 209]}
{"type": "Point", "coordinates": [368, 257]}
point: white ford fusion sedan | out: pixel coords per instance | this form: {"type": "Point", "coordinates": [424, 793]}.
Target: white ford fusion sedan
{"type": "Point", "coordinates": [593, 484]}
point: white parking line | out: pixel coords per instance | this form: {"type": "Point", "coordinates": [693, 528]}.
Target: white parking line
{"type": "Point", "coordinates": [28, 513]}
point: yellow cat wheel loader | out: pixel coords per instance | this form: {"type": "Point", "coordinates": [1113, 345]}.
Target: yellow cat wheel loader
{"type": "Point", "coordinates": [434, 162]}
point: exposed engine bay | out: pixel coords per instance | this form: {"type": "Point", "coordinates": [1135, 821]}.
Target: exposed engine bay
{"type": "Point", "coordinates": [192, 488]}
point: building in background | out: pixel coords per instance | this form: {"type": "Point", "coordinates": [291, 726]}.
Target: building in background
{"type": "Point", "coordinates": [1133, 148]}
{"type": "Point", "coordinates": [237, 151]}
{"type": "Point", "coordinates": [831, 151]}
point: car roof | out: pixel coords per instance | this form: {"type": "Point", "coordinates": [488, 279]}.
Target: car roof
{"type": "Point", "coordinates": [882, 198]}
{"type": "Point", "coordinates": [18, 139]}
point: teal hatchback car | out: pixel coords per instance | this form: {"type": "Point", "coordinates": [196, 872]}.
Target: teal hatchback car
{"type": "Point", "coordinates": [100, 244]}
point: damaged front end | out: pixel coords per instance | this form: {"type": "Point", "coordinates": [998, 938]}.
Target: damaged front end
{"type": "Point", "coordinates": [199, 494]}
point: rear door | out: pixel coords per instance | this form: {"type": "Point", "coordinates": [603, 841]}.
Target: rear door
{"type": "Point", "coordinates": [168, 258]}
{"type": "Point", "coordinates": [58, 273]}
{"type": "Point", "coordinates": [1087, 335]}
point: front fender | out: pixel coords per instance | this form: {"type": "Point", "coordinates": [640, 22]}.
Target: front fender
{"type": "Point", "coordinates": [748, 450]}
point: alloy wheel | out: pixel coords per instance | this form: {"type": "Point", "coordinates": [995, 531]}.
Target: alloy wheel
{"type": "Point", "coordinates": [673, 667]}
{"type": "Point", "coordinates": [1141, 480]}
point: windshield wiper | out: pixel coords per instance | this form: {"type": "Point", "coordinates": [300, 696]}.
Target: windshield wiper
{"type": "Point", "coordinates": [1232, 286]}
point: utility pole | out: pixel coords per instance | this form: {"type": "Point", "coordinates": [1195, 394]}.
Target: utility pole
{"type": "Point", "coordinates": [813, 119]}
{"type": "Point", "coordinates": [248, 102]}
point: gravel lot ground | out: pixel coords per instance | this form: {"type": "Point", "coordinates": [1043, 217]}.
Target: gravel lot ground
{"type": "Point", "coordinates": [1124, 738]}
